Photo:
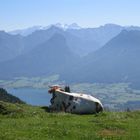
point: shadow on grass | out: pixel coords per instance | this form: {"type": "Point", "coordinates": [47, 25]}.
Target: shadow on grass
{"type": "Point", "coordinates": [46, 108]}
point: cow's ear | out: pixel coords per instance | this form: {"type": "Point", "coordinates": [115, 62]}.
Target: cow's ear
{"type": "Point", "coordinates": [52, 90]}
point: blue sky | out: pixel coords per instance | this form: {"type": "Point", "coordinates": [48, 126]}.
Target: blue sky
{"type": "Point", "coordinates": [16, 14]}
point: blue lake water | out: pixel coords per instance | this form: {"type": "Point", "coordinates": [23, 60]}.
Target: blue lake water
{"type": "Point", "coordinates": [33, 96]}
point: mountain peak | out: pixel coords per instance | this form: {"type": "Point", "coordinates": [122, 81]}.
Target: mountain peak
{"type": "Point", "coordinates": [133, 34]}
{"type": "Point", "coordinates": [54, 28]}
{"type": "Point", "coordinates": [57, 38]}
{"type": "Point", "coordinates": [73, 26]}
{"type": "Point", "coordinates": [125, 39]}
{"type": "Point", "coordinates": [67, 26]}
{"type": "Point", "coordinates": [111, 25]}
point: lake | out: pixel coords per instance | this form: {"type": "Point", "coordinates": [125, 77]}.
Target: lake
{"type": "Point", "coordinates": [32, 96]}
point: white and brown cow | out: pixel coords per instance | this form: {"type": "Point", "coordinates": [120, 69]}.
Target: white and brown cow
{"type": "Point", "coordinates": [73, 102]}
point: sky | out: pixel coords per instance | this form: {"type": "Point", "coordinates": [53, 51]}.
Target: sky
{"type": "Point", "coordinates": [19, 14]}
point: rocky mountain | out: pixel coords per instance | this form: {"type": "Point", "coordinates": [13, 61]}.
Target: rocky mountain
{"type": "Point", "coordinates": [30, 30]}
{"type": "Point", "coordinates": [100, 34]}
{"type": "Point", "coordinates": [26, 31]}
{"type": "Point", "coordinates": [78, 45]}
{"type": "Point", "coordinates": [80, 40]}
{"type": "Point", "coordinates": [50, 57]}
{"type": "Point", "coordinates": [10, 46]}
{"type": "Point", "coordinates": [74, 26]}
{"type": "Point", "coordinates": [117, 61]}
{"type": "Point", "coordinates": [57, 51]}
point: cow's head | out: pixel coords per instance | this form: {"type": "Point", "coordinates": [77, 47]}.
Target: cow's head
{"type": "Point", "coordinates": [54, 88]}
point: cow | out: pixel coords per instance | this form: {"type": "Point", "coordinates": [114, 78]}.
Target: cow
{"type": "Point", "coordinates": [76, 103]}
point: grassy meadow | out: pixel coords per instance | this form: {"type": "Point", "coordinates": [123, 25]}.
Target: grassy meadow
{"type": "Point", "coordinates": [24, 122]}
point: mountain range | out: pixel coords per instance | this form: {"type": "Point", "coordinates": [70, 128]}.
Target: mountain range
{"type": "Point", "coordinates": [117, 61]}
{"type": "Point", "coordinates": [30, 30]}
{"type": "Point", "coordinates": [10, 46]}
{"type": "Point", "coordinates": [106, 54]}
{"type": "Point", "coordinates": [48, 58]}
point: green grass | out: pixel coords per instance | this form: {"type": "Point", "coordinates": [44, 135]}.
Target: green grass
{"type": "Point", "coordinates": [24, 122]}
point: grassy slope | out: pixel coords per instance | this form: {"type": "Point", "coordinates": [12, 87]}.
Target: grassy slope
{"type": "Point", "coordinates": [23, 122]}
{"type": "Point", "coordinates": [5, 96]}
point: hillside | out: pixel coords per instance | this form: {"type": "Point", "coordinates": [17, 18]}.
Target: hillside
{"type": "Point", "coordinates": [10, 46]}
{"type": "Point", "coordinates": [78, 45]}
{"type": "Point", "coordinates": [80, 40]}
{"type": "Point", "coordinates": [56, 51]}
{"type": "Point", "coordinates": [19, 121]}
{"type": "Point", "coordinates": [117, 61]}
{"type": "Point", "coordinates": [6, 97]}
{"type": "Point", "coordinates": [50, 57]}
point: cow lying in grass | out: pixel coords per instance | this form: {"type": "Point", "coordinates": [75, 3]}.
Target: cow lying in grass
{"type": "Point", "coordinates": [73, 102]}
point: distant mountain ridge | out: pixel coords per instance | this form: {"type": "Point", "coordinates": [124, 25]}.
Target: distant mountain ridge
{"type": "Point", "coordinates": [50, 57]}
{"type": "Point", "coordinates": [101, 34]}
{"type": "Point", "coordinates": [116, 61]}
{"type": "Point", "coordinates": [105, 54]}
{"type": "Point", "coordinates": [30, 30]}
{"type": "Point", "coordinates": [81, 40]}
{"type": "Point", "coordinates": [10, 46]}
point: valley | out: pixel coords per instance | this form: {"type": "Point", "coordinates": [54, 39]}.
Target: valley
{"type": "Point", "coordinates": [102, 61]}
{"type": "Point", "coordinates": [115, 97]}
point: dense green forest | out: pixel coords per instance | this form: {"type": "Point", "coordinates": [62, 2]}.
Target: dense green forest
{"type": "Point", "coordinates": [6, 97]}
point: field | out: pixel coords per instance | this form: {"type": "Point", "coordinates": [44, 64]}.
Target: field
{"type": "Point", "coordinates": [24, 122]}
